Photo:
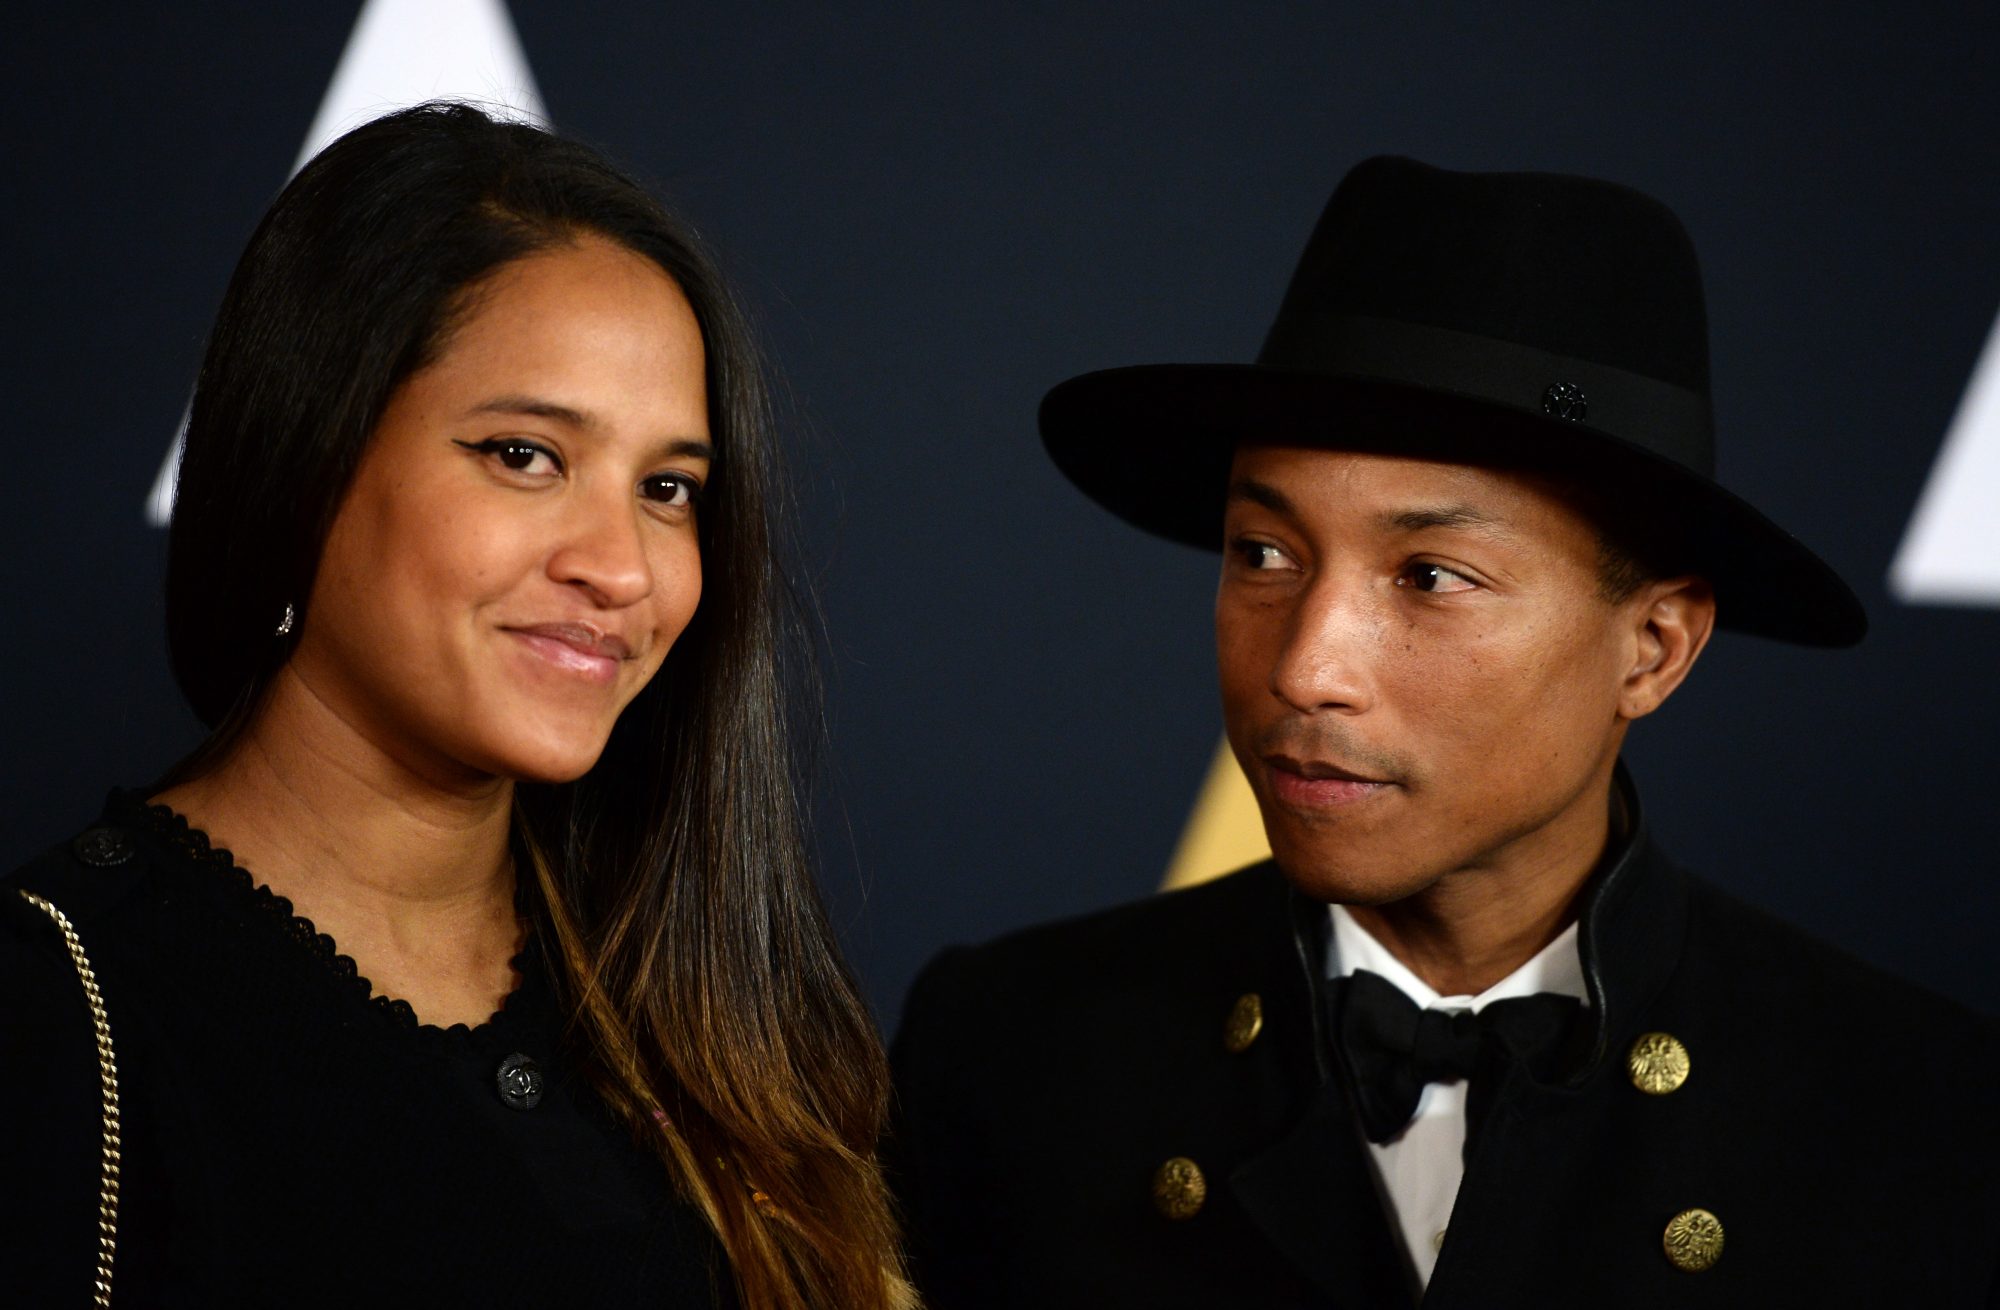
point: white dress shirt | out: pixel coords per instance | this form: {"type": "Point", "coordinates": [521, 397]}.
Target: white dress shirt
{"type": "Point", "coordinates": [1419, 1171]}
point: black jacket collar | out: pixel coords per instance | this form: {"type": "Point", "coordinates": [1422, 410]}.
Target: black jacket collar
{"type": "Point", "coordinates": [1311, 1191]}
{"type": "Point", "coordinates": [1632, 918]}
{"type": "Point", "coordinates": [1632, 924]}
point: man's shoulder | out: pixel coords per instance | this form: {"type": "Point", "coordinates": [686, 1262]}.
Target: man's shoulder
{"type": "Point", "coordinates": [1144, 971]}
{"type": "Point", "coordinates": [1160, 933]}
{"type": "Point", "coordinates": [1786, 980]}
{"type": "Point", "coordinates": [1748, 936]}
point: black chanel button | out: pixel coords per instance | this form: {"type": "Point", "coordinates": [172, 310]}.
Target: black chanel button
{"type": "Point", "coordinates": [1565, 400]}
{"type": "Point", "coordinates": [520, 1080]}
{"type": "Point", "coordinates": [103, 847]}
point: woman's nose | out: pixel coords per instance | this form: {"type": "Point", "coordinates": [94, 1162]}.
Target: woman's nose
{"type": "Point", "coordinates": [604, 553]}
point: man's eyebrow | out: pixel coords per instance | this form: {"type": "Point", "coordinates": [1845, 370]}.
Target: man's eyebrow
{"type": "Point", "coordinates": [1446, 516]}
{"type": "Point", "coordinates": [1261, 493]}
{"type": "Point", "coordinates": [1415, 519]}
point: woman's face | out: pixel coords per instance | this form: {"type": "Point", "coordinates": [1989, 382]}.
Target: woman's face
{"type": "Point", "coordinates": [518, 549]}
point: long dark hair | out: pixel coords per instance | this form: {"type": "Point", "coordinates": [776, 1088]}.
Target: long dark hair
{"type": "Point", "coordinates": [671, 883]}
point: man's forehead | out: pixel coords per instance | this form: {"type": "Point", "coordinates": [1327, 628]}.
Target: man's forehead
{"type": "Point", "coordinates": [1400, 492]}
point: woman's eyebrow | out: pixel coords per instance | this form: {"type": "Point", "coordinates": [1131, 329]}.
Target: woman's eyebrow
{"type": "Point", "coordinates": [535, 408]}
{"type": "Point", "coordinates": [583, 421]}
{"type": "Point", "coordinates": [688, 447]}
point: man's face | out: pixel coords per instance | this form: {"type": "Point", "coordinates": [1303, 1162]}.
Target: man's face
{"type": "Point", "coordinates": [1420, 673]}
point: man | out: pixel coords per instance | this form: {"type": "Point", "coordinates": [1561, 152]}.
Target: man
{"type": "Point", "coordinates": [1470, 1038]}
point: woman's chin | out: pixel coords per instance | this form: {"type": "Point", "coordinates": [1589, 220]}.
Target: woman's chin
{"type": "Point", "coordinates": [556, 758]}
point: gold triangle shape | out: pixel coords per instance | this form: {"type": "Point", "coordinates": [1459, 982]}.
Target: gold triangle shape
{"type": "Point", "coordinates": [1225, 831]}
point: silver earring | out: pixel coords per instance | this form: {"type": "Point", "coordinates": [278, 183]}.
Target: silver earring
{"type": "Point", "coordinates": [285, 624]}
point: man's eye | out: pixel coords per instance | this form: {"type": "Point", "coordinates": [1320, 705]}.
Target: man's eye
{"type": "Point", "coordinates": [1258, 554]}
{"type": "Point", "coordinates": [1434, 578]}
{"type": "Point", "coordinates": [671, 490]}
{"type": "Point", "coordinates": [517, 455]}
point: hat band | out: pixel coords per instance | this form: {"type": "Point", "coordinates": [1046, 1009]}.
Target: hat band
{"type": "Point", "coordinates": [1663, 418]}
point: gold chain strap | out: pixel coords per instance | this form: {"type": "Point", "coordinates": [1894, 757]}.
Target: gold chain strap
{"type": "Point", "coordinates": [107, 1076]}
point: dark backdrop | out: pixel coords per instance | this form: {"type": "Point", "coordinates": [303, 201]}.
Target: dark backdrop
{"type": "Point", "coordinates": [941, 210]}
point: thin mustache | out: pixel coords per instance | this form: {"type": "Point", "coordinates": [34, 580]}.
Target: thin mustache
{"type": "Point", "coordinates": [583, 637]}
{"type": "Point", "coordinates": [1326, 742]}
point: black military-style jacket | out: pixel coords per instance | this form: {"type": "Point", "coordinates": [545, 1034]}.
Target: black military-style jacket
{"type": "Point", "coordinates": [1837, 1129]}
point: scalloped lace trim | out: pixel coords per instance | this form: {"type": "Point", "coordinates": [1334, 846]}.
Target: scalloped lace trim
{"type": "Point", "coordinates": [192, 843]}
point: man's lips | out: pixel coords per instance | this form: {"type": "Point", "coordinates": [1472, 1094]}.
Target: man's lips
{"type": "Point", "coordinates": [1319, 784]}
{"type": "Point", "coordinates": [576, 648]}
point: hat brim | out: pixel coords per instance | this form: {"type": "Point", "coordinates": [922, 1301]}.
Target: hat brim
{"type": "Point", "coordinates": [1153, 445]}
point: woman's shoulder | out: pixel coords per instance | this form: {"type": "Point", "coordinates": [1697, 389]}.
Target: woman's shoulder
{"type": "Point", "coordinates": [82, 879]}
{"type": "Point", "coordinates": [91, 905]}
{"type": "Point", "coordinates": [49, 910]}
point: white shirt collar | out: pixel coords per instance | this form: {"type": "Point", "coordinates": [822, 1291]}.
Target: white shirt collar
{"type": "Point", "coordinates": [1557, 967]}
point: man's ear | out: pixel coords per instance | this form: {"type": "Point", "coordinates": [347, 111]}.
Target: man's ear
{"type": "Point", "coordinates": [1671, 622]}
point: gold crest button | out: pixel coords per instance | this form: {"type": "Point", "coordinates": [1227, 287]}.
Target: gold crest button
{"type": "Point", "coordinates": [1178, 1188]}
{"type": "Point", "coordinates": [1658, 1063]}
{"type": "Point", "coordinates": [1693, 1240]}
{"type": "Point", "coordinates": [1246, 1020]}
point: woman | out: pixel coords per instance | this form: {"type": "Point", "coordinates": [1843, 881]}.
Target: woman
{"type": "Point", "coordinates": [476, 951]}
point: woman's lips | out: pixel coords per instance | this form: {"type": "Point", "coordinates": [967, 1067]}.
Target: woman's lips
{"type": "Point", "coordinates": [1296, 785]}
{"type": "Point", "coordinates": [575, 648]}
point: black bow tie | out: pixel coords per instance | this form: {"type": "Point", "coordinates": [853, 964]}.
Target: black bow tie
{"type": "Point", "coordinates": [1393, 1048]}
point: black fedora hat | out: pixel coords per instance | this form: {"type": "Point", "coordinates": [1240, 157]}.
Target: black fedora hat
{"type": "Point", "coordinates": [1521, 319]}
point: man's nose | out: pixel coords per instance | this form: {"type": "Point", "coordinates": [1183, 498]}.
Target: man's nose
{"type": "Point", "coordinates": [603, 552]}
{"type": "Point", "coordinates": [1324, 661]}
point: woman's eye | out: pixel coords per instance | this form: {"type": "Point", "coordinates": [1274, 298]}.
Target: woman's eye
{"type": "Point", "coordinates": [517, 455]}
{"type": "Point", "coordinates": [671, 490]}
{"type": "Point", "coordinates": [1435, 578]}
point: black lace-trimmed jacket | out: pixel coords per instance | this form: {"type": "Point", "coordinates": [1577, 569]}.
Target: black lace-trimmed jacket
{"type": "Point", "coordinates": [287, 1139]}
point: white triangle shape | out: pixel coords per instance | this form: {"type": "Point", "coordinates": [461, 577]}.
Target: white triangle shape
{"type": "Point", "coordinates": [1951, 551]}
{"type": "Point", "coordinates": [403, 52]}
